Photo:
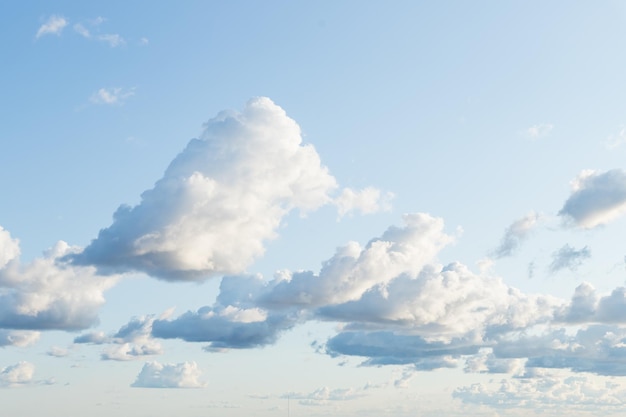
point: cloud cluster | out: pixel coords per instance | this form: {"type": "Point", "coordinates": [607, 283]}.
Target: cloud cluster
{"type": "Point", "coordinates": [597, 198]}
{"type": "Point", "coordinates": [169, 375]}
{"type": "Point", "coordinates": [47, 293]}
{"type": "Point", "coordinates": [219, 201]}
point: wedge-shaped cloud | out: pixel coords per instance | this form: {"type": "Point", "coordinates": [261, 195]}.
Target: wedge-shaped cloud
{"type": "Point", "coordinates": [16, 375]}
{"type": "Point", "coordinates": [219, 201]}
{"type": "Point", "coordinates": [554, 395]}
{"type": "Point", "coordinates": [515, 234]}
{"type": "Point", "coordinates": [169, 375]}
{"type": "Point", "coordinates": [597, 198]}
{"type": "Point", "coordinates": [53, 26]}
{"type": "Point", "coordinates": [47, 293]}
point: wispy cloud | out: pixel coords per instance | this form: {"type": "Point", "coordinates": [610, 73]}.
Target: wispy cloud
{"type": "Point", "coordinates": [367, 201]}
{"type": "Point", "coordinates": [538, 131]}
{"type": "Point", "coordinates": [53, 26]}
{"type": "Point", "coordinates": [515, 234]}
{"type": "Point", "coordinates": [111, 96]}
{"type": "Point", "coordinates": [113, 39]}
{"type": "Point", "coordinates": [616, 140]}
{"type": "Point", "coordinates": [569, 257]}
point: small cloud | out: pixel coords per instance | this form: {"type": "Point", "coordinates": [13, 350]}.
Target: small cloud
{"type": "Point", "coordinates": [568, 257]}
{"type": "Point", "coordinates": [20, 338]}
{"type": "Point", "coordinates": [515, 234]}
{"type": "Point", "coordinates": [143, 41]}
{"type": "Point", "coordinates": [616, 140]}
{"type": "Point", "coordinates": [157, 375]}
{"type": "Point", "coordinates": [113, 39]}
{"type": "Point", "coordinates": [111, 95]}
{"type": "Point", "coordinates": [367, 201]}
{"type": "Point", "coordinates": [57, 352]}
{"type": "Point", "coordinates": [82, 30]}
{"type": "Point", "coordinates": [539, 131]}
{"type": "Point", "coordinates": [16, 375]}
{"type": "Point", "coordinates": [597, 198]}
{"type": "Point", "coordinates": [53, 26]}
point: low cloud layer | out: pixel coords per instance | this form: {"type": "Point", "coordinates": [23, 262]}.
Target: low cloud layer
{"type": "Point", "coordinates": [169, 375]}
{"type": "Point", "coordinates": [220, 200]}
{"type": "Point", "coordinates": [597, 198]}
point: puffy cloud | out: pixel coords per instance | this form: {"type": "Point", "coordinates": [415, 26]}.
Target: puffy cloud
{"type": "Point", "coordinates": [597, 198]}
{"type": "Point", "coordinates": [9, 247]}
{"type": "Point", "coordinates": [18, 338]}
{"type": "Point", "coordinates": [368, 200]}
{"type": "Point", "coordinates": [16, 375]}
{"type": "Point", "coordinates": [167, 375]}
{"type": "Point", "coordinates": [130, 342]}
{"type": "Point", "coordinates": [568, 257]}
{"type": "Point", "coordinates": [219, 201]}
{"type": "Point", "coordinates": [58, 352]}
{"type": "Point", "coordinates": [47, 293]}
{"type": "Point", "coordinates": [53, 26]}
{"type": "Point", "coordinates": [489, 363]}
{"type": "Point", "coordinates": [515, 234]}
{"type": "Point", "coordinates": [115, 95]}
{"type": "Point", "coordinates": [554, 395]}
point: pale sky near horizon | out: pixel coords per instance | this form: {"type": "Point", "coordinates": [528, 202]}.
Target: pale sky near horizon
{"type": "Point", "coordinates": [331, 208]}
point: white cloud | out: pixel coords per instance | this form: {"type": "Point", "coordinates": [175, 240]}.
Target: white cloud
{"type": "Point", "coordinates": [82, 30]}
{"type": "Point", "coordinates": [53, 26]}
{"type": "Point", "coordinates": [18, 338]}
{"type": "Point", "coordinates": [367, 201]}
{"type": "Point", "coordinates": [9, 247]}
{"type": "Point", "coordinates": [144, 41]}
{"type": "Point", "coordinates": [219, 201]}
{"type": "Point", "coordinates": [58, 352]}
{"type": "Point", "coordinates": [181, 375]}
{"type": "Point", "coordinates": [597, 198]}
{"type": "Point", "coordinates": [113, 39]}
{"type": "Point", "coordinates": [17, 375]}
{"type": "Point", "coordinates": [47, 293]}
{"type": "Point", "coordinates": [115, 95]}
{"type": "Point", "coordinates": [539, 130]}
{"type": "Point", "coordinates": [554, 395]}
{"type": "Point", "coordinates": [616, 140]}
{"type": "Point", "coordinates": [515, 234]}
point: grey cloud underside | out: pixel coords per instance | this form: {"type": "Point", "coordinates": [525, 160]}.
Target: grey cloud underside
{"type": "Point", "coordinates": [515, 234]}
{"type": "Point", "coordinates": [568, 257]}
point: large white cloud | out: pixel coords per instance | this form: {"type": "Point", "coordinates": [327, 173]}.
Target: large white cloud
{"type": "Point", "coordinates": [219, 201]}
{"type": "Point", "coordinates": [48, 293]}
{"type": "Point", "coordinates": [597, 198]}
{"type": "Point", "coordinates": [169, 375]}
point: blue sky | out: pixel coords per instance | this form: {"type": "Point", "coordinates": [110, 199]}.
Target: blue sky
{"type": "Point", "coordinates": [312, 208]}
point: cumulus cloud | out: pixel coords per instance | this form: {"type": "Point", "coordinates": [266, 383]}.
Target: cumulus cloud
{"type": "Point", "coordinates": [168, 375]}
{"type": "Point", "coordinates": [53, 26]}
{"type": "Point", "coordinates": [18, 338]}
{"type": "Point", "coordinates": [369, 200]}
{"type": "Point", "coordinates": [16, 375]}
{"type": "Point", "coordinates": [554, 395]}
{"type": "Point", "coordinates": [47, 293]}
{"type": "Point", "coordinates": [515, 234]}
{"type": "Point", "coordinates": [569, 257]}
{"type": "Point", "coordinates": [110, 96]}
{"type": "Point", "coordinates": [9, 247]}
{"type": "Point", "coordinates": [219, 201]}
{"type": "Point", "coordinates": [597, 198]}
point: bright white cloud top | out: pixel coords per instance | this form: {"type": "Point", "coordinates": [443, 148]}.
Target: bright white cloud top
{"type": "Point", "coordinates": [401, 221]}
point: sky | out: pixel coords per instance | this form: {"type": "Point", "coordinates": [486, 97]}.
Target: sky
{"type": "Point", "coordinates": [330, 208]}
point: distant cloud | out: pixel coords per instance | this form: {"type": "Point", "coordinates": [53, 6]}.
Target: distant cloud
{"type": "Point", "coordinates": [111, 95]}
{"type": "Point", "coordinates": [57, 352]}
{"type": "Point", "coordinates": [181, 375]}
{"type": "Point", "coordinates": [325, 395]}
{"type": "Point", "coordinates": [144, 41]}
{"type": "Point", "coordinates": [597, 198]}
{"type": "Point", "coordinates": [82, 30]}
{"type": "Point", "coordinates": [616, 140]}
{"type": "Point", "coordinates": [53, 26]}
{"type": "Point", "coordinates": [367, 201]}
{"type": "Point", "coordinates": [16, 375]}
{"type": "Point", "coordinates": [9, 247]}
{"type": "Point", "coordinates": [113, 39]}
{"type": "Point", "coordinates": [539, 131]}
{"type": "Point", "coordinates": [18, 338]}
{"type": "Point", "coordinates": [219, 201]}
{"type": "Point", "coordinates": [569, 257]}
{"type": "Point", "coordinates": [515, 234]}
